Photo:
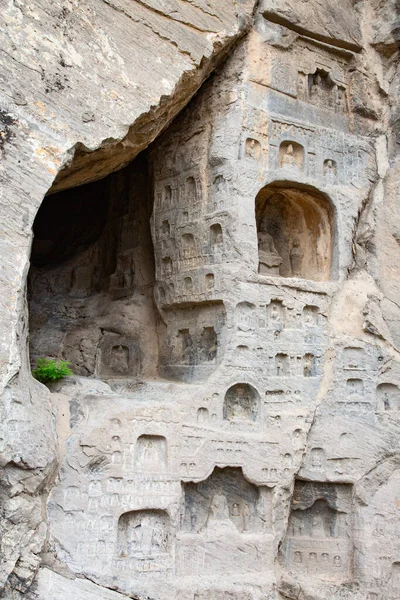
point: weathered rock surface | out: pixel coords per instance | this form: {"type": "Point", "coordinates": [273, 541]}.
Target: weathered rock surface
{"type": "Point", "coordinates": [96, 81]}
{"type": "Point", "coordinates": [228, 302]}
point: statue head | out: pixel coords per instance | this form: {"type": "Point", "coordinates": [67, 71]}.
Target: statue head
{"type": "Point", "coordinates": [296, 242]}
{"type": "Point", "coordinates": [289, 149]}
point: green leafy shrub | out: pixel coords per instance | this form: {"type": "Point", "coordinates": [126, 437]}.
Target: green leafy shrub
{"type": "Point", "coordinates": [48, 370]}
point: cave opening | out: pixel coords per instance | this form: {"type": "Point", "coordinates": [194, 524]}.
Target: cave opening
{"type": "Point", "coordinates": [90, 284]}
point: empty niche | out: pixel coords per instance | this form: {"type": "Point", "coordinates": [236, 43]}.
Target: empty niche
{"type": "Point", "coordinates": [355, 387]}
{"type": "Point", "coordinates": [319, 538]}
{"type": "Point", "coordinates": [388, 395]}
{"type": "Point", "coordinates": [208, 344]}
{"type": "Point", "coordinates": [241, 403]}
{"type": "Point", "coordinates": [281, 365]}
{"type": "Point", "coordinates": [226, 504]}
{"type": "Point", "coordinates": [246, 316]}
{"type": "Point", "coordinates": [291, 154]}
{"type": "Point", "coordinates": [144, 534]}
{"type": "Point", "coordinates": [151, 454]}
{"type": "Point", "coordinates": [253, 148]}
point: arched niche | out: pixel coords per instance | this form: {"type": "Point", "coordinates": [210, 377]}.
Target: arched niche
{"type": "Point", "coordinates": [295, 227]}
{"type": "Point", "coordinates": [241, 403]}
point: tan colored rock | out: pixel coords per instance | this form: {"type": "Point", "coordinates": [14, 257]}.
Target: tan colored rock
{"type": "Point", "coordinates": [228, 303]}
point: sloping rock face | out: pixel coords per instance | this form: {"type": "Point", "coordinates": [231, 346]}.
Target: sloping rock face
{"type": "Point", "coordinates": [228, 302]}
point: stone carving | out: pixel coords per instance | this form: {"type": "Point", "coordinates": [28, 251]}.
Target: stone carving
{"type": "Point", "coordinates": [143, 534]}
{"type": "Point", "coordinates": [151, 454]}
{"type": "Point", "coordinates": [119, 360]}
{"type": "Point", "coordinates": [125, 273]}
{"type": "Point", "coordinates": [388, 395]}
{"type": "Point", "coordinates": [241, 403]}
{"type": "Point", "coordinates": [291, 154]}
{"type": "Point", "coordinates": [209, 302]}
{"type": "Point", "coordinates": [289, 247]}
{"type": "Point", "coordinates": [296, 258]}
{"type": "Point", "coordinates": [226, 504]}
{"type": "Point", "coordinates": [276, 316]}
{"type": "Point", "coordinates": [269, 259]}
{"type": "Point", "coordinates": [253, 148]}
{"type": "Point", "coordinates": [319, 538]}
{"type": "Point", "coordinates": [330, 171]}
{"type": "Point", "coordinates": [120, 357]}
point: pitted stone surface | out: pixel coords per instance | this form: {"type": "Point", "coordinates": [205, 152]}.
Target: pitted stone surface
{"type": "Point", "coordinates": [228, 303]}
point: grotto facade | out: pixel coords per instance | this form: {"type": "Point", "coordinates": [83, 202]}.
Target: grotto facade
{"type": "Point", "coordinates": [228, 304]}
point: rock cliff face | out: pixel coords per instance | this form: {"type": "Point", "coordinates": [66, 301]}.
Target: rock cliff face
{"type": "Point", "coordinates": [225, 287]}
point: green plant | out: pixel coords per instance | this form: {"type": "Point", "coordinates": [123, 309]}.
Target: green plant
{"type": "Point", "coordinates": [48, 370]}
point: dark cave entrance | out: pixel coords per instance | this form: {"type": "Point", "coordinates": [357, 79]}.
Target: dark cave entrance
{"type": "Point", "coordinates": [90, 285]}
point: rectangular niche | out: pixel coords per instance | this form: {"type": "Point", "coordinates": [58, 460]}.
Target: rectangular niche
{"type": "Point", "coordinates": [319, 539]}
{"type": "Point", "coordinates": [225, 524]}
{"type": "Point", "coordinates": [119, 356]}
{"type": "Point", "coordinates": [194, 342]}
{"type": "Point", "coordinates": [145, 542]}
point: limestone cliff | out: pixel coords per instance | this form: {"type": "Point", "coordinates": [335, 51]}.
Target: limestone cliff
{"type": "Point", "coordinates": [211, 191]}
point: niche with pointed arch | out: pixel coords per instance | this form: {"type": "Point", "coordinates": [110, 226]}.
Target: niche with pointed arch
{"type": "Point", "coordinates": [295, 226]}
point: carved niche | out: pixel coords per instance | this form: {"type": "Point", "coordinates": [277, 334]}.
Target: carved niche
{"type": "Point", "coordinates": [319, 542]}
{"type": "Point", "coordinates": [151, 454]}
{"type": "Point", "coordinates": [194, 340]}
{"type": "Point", "coordinates": [217, 516]}
{"type": "Point", "coordinates": [295, 233]}
{"type": "Point", "coordinates": [388, 395]}
{"type": "Point", "coordinates": [119, 357]}
{"type": "Point", "coordinates": [241, 403]}
{"type": "Point", "coordinates": [145, 540]}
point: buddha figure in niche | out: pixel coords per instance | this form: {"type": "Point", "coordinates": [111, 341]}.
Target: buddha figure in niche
{"type": "Point", "coordinates": [268, 257]}
{"type": "Point", "coordinates": [288, 158]}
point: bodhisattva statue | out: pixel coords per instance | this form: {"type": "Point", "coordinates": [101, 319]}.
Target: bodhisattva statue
{"type": "Point", "coordinates": [268, 257]}
{"type": "Point", "coordinates": [296, 258]}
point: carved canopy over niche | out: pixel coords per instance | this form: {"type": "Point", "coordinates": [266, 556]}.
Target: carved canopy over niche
{"type": "Point", "coordinates": [295, 233]}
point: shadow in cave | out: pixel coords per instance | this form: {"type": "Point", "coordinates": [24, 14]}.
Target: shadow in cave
{"type": "Point", "coordinates": [90, 285]}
